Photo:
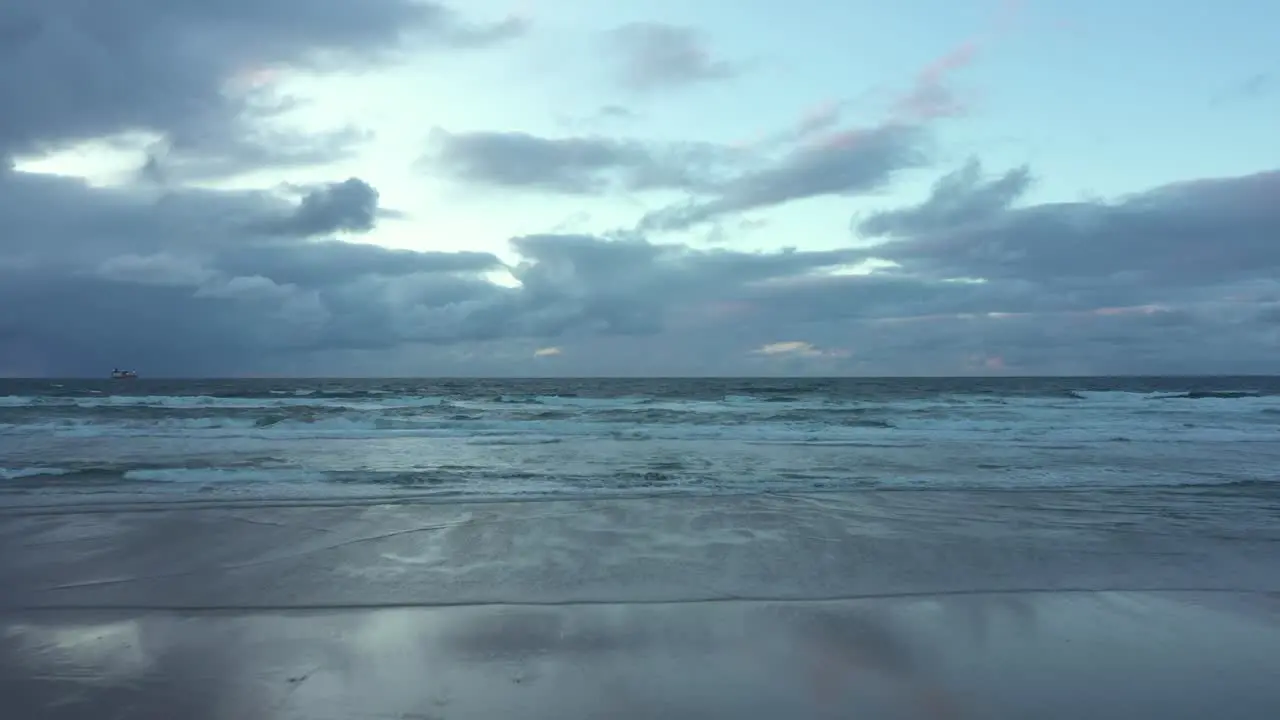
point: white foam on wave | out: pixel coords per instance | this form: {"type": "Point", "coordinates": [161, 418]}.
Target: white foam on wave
{"type": "Point", "coordinates": [223, 475]}
{"type": "Point", "coordinates": [370, 427]}
{"type": "Point", "coordinates": [1097, 417]}
{"type": "Point", "coordinates": [18, 473]}
{"type": "Point", "coordinates": [538, 445]}
{"type": "Point", "coordinates": [211, 402]}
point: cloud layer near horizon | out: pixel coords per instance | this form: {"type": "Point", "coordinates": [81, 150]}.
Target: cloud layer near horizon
{"type": "Point", "coordinates": [181, 280]}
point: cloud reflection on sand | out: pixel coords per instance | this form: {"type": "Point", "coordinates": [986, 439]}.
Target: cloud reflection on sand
{"type": "Point", "coordinates": [1085, 656]}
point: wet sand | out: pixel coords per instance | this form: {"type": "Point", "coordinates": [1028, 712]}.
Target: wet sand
{"type": "Point", "coordinates": [735, 608]}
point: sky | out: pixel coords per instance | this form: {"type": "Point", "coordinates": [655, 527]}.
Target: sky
{"type": "Point", "coordinates": [240, 188]}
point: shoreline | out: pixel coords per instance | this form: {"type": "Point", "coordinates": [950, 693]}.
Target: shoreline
{"type": "Point", "coordinates": [74, 501]}
{"type": "Point", "coordinates": [886, 605]}
{"type": "Point", "coordinates": [650, 549]}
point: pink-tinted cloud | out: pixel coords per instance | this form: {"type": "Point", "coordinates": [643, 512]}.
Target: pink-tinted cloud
{"type": "Point", "coordinates": [930, 97]}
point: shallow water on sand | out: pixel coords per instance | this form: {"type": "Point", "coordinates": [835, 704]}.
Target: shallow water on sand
{"type": "Point", "coordinates": [889, 605]}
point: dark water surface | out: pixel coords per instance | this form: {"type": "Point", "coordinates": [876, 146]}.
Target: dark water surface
{"type": "Point", "coordinates": [495, 439]}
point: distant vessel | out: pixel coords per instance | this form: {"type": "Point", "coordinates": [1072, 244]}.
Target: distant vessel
{"type": "Point", "coordinates": [119, 374]}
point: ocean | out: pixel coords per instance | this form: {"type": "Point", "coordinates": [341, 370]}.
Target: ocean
{"type": "Point", "coordinates": [584, 438]}
{"type": "Point", "coordinates": [473, 549]}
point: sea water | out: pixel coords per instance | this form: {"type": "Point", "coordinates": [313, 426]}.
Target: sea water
{"type": "Point", "coordinates": [527, 439]}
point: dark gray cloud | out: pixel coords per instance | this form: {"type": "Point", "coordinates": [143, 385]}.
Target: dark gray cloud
{"type": "Point", "coordinates": [255, 147]}
{"type": "Point", "coordinates": [213, 281]}
{"type": "Point", "coordinates": [192, 282]}
{"type": "Point", "coordinates": [720, 181]}
{"type": "Point", "coordinates": [348, 206]}
{"type": "Point", "coordinates": [573, 165]}
{"type": "Point", "coordinates": [181, 69]}
{"type": "Point", "coordinates": [53, 217]}
{"type": "Point", "coordinates": [325, 264]}
{"type": "Point", "coordinates": [839, 164]}
{"type": "Point", "coordinates": [1198, 232]}
{"type": "Point", "coordinates": [654, 56]}
{"type": "Point", "coordinates": [958, 198]}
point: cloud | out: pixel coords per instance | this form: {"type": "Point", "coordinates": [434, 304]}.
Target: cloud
{"type": "Point", "coordinates": [958, 198]}
{"type": "Point", "coordinates": [1198, 232]}
{"type": "Point", "coordinates": [817, 157]}
{"type": "Point", "coordinates": [459, 34]}
{"type": "Point", "coordinates": [656, 56]}
{"type": "Point", "coordinates": [839, 164]}
{"type": "Point", "coordinates": [231, 301]}
{"type": "Point", "coordinates": [176, 279]}
{"type": "Point", "coordinates": [572, 165]}
{"type": "Point", "coordinates": [786, 348]}
{"type": "Point", "coordinates": [75, 72]}
{"type": "Point", "coordinates": [348, 206]}
{"type": "Point", "coordinates": [797, 348]}
{"type": "Point", "coordinates": [198, 282]}
{"type": "Point", "coordinates": [617, 112]}
{"type": "Point", "coordinates": [931, 97]}
{"type": "Point", "coordinates": [604, 116]}
{"type": "Point", "coordinates": [214, 279]}
{"type": "Point", "coordinates": [238, 296]}
{"type": "Point", "coordinates": [820, 157]}
{"type": "Point", "coordinates": [720, 181]}
{"type": "Point", "coordinates": [169, 161]}
{"type": "Point", "coordinates": [818, 119]}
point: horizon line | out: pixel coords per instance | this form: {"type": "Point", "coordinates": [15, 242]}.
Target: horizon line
{"type": "Point", "coordinates": [178, 378]}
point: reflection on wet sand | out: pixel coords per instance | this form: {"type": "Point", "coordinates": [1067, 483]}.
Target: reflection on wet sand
{"type": "Point", "coordinates": [876, 606]}
{"type": "Point", "coordinates": [1085, 655]}
{"type": "Point", "coordinates": [849, 647]}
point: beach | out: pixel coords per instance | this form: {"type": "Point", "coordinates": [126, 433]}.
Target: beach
{"type": "Point", "coordinates": [627, 609]}
{"type": "Point", "coordinates": [997, 593]}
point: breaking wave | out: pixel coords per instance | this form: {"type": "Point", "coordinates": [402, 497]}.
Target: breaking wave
{"type": "Point", "coordinates": [517, 439]}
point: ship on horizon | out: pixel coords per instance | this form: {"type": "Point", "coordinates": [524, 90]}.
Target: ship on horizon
{"type": "Point", "coordinates": [118, 374]}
